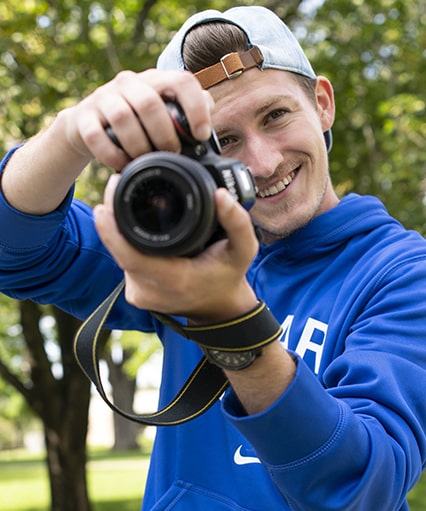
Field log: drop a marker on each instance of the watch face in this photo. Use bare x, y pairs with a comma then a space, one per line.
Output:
231, 360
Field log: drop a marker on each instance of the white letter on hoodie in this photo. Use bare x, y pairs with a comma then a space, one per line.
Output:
306, 342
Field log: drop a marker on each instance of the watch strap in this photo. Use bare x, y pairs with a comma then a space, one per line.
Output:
251, 330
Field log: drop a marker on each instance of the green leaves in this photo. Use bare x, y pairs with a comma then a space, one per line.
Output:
54, 53
373, 52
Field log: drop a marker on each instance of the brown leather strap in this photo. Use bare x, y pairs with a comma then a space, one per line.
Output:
230, 66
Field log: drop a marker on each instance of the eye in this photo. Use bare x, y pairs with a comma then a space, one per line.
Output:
225, 141
276, 114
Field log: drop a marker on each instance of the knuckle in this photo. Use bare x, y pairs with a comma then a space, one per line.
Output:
124, 76
133, 295
185, 79
150, 75
119, 114
90, 137
149, 102
89, 132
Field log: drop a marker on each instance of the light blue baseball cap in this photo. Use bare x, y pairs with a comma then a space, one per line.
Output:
265, 31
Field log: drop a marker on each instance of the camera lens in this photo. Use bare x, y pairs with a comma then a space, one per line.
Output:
157, 205
164, 204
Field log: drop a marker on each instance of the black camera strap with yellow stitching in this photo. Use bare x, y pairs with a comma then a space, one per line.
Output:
206, 383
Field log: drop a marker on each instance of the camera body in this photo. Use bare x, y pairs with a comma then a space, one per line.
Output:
164, 202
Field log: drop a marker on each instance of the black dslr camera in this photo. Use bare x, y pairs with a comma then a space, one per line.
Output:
164, 203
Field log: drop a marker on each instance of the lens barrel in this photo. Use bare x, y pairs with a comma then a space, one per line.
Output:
164, 204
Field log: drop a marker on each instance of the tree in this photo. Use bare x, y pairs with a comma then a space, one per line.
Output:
38, 361
15, 418
127, 353
123, 389
58, 394
36, 80
54, 53
373, 52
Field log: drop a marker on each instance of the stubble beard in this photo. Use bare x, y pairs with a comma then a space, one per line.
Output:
282, 231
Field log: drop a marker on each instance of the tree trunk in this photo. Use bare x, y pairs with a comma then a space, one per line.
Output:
123, 392
62, 404
125, 434
67, 474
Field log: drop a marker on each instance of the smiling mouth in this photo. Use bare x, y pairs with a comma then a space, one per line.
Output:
277, 187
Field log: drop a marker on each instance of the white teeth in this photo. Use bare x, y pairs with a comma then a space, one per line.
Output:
278, 187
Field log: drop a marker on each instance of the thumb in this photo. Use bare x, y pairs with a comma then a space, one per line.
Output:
238, 225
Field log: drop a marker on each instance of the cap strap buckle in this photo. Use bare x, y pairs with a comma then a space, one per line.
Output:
229, 67
228, 60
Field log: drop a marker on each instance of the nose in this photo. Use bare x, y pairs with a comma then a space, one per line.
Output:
262, 156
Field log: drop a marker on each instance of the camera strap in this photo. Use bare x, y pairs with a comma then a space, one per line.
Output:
206, 383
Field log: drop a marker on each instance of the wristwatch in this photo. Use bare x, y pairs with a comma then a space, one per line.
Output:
232, 360
234, 344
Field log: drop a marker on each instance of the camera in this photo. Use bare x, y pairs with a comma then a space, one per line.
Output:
164, 202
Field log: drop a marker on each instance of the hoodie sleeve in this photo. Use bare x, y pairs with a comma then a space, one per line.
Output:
355, 439
59, 259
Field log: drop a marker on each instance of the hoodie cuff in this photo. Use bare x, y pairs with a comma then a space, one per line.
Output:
299, 423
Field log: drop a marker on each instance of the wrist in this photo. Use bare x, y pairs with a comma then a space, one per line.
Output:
222, 314
227, 309
233, 344
64, 130
266, 380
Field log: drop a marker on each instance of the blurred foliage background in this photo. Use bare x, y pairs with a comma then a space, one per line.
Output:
53, 53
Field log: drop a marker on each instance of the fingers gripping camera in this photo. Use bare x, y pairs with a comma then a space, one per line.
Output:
164, 202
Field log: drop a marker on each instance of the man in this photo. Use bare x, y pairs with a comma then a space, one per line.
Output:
332, 415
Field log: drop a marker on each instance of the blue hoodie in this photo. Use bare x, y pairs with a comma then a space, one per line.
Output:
350, 432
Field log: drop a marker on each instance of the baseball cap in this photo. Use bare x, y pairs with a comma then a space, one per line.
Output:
271, 46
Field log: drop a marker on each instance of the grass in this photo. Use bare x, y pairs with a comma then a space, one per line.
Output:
116, 481
417, 497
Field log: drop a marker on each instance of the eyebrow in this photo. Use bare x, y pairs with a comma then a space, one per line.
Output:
272, 101
264, 107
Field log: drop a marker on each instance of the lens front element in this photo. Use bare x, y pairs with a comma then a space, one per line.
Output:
164, 204
157, 206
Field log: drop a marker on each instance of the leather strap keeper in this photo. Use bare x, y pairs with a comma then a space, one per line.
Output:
230, 66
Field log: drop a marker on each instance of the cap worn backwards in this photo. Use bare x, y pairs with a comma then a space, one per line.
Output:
271, 46
264, 29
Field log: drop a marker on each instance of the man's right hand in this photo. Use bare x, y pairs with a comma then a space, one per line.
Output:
39, 175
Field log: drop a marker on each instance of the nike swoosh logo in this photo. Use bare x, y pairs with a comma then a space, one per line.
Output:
239, 459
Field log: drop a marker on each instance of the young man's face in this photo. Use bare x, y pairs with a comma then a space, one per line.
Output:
266, 120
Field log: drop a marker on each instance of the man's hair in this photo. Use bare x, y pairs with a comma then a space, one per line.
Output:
206, 44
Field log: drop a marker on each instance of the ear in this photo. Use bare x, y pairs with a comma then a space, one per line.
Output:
325, 102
